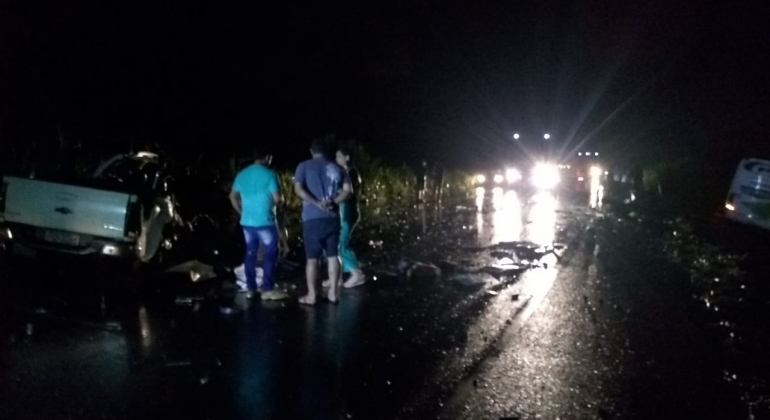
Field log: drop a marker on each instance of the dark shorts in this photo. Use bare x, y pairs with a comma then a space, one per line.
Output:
321, 236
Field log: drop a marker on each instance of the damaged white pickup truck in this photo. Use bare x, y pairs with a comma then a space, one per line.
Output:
125, 210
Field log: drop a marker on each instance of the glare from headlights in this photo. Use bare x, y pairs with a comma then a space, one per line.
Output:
512, 175
480, 192
596, 172
498, 179
545, 176
480, 178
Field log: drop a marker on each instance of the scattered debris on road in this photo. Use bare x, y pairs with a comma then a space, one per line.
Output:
198, 271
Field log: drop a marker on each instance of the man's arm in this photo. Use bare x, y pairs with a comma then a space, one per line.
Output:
279, 211
275, 190
308, 198
235, 200
347, 189
344, 193
355, 181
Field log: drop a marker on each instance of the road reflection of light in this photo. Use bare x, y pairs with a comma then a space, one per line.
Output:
507, 217
542, 217
145, 329
597, 190
536, 283
480, 191
497, 197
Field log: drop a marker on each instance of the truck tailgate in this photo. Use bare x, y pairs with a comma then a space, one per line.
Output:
66, 207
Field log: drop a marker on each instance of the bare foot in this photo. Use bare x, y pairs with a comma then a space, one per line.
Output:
328, 283
356, 279
307, 300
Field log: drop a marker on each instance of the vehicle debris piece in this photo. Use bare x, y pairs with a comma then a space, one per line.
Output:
178, 363
197, 270
227, 310
469, 280
412, 269
187, 300
500, 270
423, 270
501, 254
183, 301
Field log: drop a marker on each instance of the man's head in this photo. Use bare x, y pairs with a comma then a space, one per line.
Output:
343, 156
263, 156
318, 147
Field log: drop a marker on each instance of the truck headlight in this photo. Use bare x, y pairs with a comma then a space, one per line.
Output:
545, 176
512, 175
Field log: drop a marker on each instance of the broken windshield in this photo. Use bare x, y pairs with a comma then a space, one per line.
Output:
133, 173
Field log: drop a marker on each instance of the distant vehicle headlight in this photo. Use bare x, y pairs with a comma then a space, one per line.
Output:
545, 176
595, 171
480, 178
512, 175
498, 179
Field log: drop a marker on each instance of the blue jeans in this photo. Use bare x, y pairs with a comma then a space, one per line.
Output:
268, 237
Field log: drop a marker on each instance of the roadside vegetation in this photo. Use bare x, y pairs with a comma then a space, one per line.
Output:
389, 195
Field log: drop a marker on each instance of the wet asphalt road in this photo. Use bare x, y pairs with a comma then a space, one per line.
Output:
617, 337
603, 333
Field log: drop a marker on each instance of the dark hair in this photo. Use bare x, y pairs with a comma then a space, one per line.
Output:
261, 153
318, 146
346, 150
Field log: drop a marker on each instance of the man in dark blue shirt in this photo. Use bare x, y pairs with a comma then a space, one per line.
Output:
323, 186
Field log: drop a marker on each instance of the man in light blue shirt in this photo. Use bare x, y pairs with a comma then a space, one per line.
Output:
255, 195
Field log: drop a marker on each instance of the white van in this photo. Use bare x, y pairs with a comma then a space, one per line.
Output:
749, 198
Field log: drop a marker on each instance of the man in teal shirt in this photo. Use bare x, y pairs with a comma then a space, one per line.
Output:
255, 195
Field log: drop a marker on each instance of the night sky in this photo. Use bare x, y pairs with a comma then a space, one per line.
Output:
449, 81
